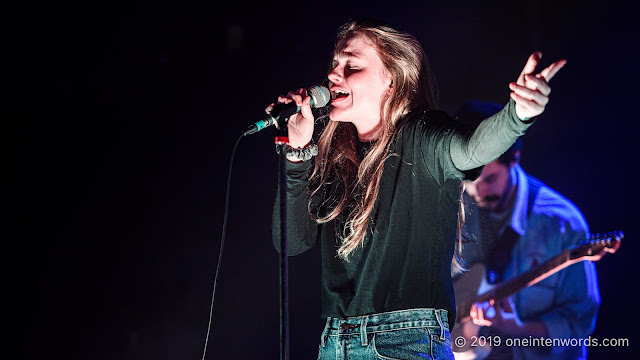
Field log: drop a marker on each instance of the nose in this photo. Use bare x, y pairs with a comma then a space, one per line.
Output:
481, 190
473, 189
335, 75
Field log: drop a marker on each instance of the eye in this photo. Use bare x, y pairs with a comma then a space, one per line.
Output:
351, 67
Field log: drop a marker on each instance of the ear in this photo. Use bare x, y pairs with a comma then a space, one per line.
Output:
390, 88
387, 77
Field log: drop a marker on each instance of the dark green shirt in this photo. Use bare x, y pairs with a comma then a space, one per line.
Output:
405, 260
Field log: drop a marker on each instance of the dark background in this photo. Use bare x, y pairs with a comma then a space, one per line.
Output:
123, 117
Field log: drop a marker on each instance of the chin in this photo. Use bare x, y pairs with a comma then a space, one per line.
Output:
493, 205
337, 116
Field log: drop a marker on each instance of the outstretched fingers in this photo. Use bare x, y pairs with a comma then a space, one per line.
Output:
530, 66
551, 70
531, 91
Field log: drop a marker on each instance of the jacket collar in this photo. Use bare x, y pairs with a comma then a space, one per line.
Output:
519, 217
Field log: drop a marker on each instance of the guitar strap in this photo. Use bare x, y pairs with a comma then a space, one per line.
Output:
497, 262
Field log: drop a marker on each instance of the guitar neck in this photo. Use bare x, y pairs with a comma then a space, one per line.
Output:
593, 250
520, 282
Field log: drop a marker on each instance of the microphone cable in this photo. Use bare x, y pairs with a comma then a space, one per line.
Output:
320, 96
224, 232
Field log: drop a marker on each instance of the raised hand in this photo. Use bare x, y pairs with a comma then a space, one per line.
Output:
531, 92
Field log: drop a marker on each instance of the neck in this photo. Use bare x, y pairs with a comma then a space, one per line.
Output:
367, 132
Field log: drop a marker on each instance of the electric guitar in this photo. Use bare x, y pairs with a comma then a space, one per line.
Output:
472, 287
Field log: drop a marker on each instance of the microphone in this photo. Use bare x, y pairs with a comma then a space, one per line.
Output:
320, 97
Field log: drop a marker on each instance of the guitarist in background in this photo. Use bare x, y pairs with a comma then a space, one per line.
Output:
515, 223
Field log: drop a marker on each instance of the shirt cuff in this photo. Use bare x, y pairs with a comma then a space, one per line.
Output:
557, 328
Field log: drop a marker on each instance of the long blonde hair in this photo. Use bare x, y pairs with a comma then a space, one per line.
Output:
338, 159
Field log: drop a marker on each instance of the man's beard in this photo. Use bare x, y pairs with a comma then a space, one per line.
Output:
492, 202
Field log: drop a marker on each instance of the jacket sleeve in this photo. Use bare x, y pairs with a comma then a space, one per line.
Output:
576, 302
302, 231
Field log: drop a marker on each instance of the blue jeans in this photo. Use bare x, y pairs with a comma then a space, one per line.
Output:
406, 334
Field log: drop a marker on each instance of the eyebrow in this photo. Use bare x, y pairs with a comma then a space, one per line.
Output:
343, 53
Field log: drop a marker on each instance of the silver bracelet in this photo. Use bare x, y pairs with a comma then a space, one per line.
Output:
303, 154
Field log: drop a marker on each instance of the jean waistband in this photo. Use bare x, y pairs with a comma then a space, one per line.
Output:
393, 320
390, 320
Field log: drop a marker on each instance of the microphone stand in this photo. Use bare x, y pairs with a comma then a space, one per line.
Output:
281, 140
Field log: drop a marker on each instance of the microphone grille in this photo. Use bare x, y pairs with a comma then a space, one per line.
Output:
320, 95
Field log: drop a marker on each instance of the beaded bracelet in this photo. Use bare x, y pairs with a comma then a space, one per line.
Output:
304, 153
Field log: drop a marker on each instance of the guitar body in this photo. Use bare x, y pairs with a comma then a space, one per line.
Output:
467, 287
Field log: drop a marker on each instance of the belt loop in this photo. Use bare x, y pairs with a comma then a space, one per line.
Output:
325, 333
438, 317
363, 330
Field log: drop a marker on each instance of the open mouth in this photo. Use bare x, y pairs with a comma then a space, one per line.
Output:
339, 95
